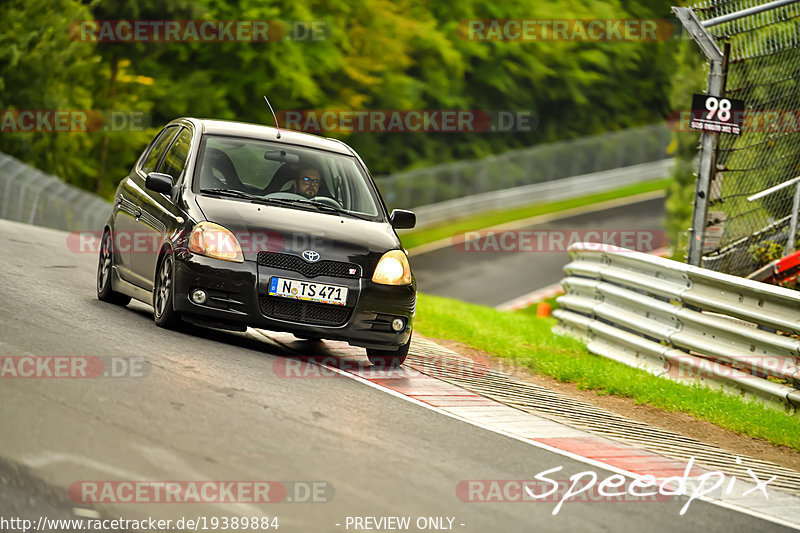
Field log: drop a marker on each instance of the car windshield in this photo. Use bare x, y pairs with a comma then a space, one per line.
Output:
286, 176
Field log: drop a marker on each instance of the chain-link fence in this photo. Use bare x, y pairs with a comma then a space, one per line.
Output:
527, 166
31, 196
764, 71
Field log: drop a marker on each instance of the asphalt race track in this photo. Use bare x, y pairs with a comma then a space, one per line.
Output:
210, 405
485, 276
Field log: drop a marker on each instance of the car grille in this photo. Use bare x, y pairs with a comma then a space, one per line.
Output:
336, 269
305, 312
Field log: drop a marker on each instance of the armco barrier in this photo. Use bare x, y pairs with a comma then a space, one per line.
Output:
545, 192
516, 169
684, 322
31, 196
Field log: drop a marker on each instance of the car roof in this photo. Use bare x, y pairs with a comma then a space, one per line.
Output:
268, 133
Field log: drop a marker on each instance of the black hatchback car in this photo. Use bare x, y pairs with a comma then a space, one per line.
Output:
231, 225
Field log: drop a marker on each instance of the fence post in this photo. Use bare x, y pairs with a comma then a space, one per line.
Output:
708, 141
793, 223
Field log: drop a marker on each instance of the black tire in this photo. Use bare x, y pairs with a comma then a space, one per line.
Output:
163, 310
105, 266
388, 358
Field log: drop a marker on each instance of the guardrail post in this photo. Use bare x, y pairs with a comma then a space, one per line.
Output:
38, 196
35, 177
7, 192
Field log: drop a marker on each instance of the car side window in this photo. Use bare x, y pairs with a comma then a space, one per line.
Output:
158, 149
176, 157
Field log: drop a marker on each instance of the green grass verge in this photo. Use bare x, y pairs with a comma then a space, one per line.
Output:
527, 341
485, 220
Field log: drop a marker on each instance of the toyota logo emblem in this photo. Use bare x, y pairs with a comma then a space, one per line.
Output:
311, 256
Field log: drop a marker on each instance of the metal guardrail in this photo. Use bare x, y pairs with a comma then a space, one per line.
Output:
545, 162
31, 196
549, 191
684, 322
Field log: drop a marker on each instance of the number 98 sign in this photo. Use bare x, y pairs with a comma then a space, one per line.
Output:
718, 115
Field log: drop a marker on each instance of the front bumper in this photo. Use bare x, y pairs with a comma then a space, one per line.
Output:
238, 296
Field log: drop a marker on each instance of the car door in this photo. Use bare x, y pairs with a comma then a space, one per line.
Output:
128, 204
159, 213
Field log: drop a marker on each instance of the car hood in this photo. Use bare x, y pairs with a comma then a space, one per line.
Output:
293, 231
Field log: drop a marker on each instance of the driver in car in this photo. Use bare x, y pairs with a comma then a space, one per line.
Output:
307, 182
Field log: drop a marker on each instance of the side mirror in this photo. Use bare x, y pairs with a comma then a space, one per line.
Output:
158, 182
402, 219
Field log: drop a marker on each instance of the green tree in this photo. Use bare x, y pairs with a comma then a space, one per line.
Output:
377, 54
42, 68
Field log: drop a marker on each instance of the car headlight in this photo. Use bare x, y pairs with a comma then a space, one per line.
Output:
212, 240
393, 269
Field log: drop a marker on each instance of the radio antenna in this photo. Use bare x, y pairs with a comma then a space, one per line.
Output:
275, 118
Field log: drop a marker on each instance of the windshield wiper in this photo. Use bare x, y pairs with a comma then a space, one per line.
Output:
307, 204
283, 201
229, 192
339, 211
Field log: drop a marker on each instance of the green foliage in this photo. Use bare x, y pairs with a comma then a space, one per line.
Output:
42, 68
689, 77
526, 340
377, 54
766, 252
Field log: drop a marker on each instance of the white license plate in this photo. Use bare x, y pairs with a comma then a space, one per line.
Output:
306, 290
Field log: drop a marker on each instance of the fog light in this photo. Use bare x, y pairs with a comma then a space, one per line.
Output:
199, 296
398, 324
